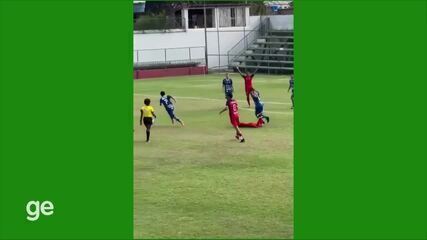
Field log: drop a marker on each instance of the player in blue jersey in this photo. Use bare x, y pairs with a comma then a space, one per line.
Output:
259, 105
291, 87
166, 101
227, 85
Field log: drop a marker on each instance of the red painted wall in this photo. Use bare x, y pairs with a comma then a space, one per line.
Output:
168, 72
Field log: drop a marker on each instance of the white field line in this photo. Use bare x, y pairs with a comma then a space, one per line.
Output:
213, 99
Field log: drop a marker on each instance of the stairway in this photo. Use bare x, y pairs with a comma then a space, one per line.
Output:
271, 53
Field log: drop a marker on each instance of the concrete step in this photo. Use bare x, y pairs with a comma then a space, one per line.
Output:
271, 48
274, 40
268, 61
278, 37
277, 43
281, 32
269, 55
265, 67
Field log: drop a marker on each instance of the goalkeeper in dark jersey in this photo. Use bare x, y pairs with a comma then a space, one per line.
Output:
227, 85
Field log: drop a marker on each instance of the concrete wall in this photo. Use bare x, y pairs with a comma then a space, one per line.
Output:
282, 22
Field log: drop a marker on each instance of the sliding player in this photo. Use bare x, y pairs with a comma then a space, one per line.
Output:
169, 107
259, 105
227, 85
233, 111
248, 77
147, 114
291, 87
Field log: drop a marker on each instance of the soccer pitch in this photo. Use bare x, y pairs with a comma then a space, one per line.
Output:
198, 181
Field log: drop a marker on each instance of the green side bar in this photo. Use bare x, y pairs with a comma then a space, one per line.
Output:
66, 118
360, 119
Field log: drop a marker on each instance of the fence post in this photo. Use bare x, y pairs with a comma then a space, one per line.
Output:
244, 37
189, 53
228, 58
137, 56
165, 58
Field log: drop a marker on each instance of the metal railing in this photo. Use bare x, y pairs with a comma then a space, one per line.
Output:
252, 36
146, 24
165, 56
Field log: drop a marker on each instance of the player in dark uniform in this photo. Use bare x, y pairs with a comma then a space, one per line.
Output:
248, 77
291, 87
259, 105
227, 85
166, 101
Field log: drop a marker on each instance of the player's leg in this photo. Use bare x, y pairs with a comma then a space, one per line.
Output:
259, 113
267, 118
292, 99
260, 122
258, 110
248, 97
148, 122
235, 122
148, 132
179, 120
239, 135
172, 116
249, 125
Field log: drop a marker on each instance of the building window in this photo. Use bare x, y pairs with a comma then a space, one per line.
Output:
232, 17
196, 18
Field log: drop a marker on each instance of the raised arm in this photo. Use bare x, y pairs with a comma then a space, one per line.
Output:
256, 70
238, 69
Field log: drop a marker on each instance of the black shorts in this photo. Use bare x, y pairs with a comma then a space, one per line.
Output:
148, 121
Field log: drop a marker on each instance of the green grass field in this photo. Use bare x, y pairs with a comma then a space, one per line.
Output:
197, 181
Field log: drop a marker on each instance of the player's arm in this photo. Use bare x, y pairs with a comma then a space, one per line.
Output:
238, 69
161, 102
256, 70
223, 110
140, 119
173, 99
152, 112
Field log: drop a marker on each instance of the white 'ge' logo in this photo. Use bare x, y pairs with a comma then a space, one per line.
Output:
34, 208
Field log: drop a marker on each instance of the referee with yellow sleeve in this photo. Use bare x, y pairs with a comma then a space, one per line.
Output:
147, 114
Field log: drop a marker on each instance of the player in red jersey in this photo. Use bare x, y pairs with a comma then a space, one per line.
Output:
233, 111
248, 77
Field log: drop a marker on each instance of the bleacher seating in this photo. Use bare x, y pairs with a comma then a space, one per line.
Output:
271, 53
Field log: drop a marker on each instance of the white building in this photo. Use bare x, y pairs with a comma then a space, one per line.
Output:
227, 25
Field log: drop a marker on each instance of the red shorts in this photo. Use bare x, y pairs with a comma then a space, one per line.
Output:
248, 90
234, 121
